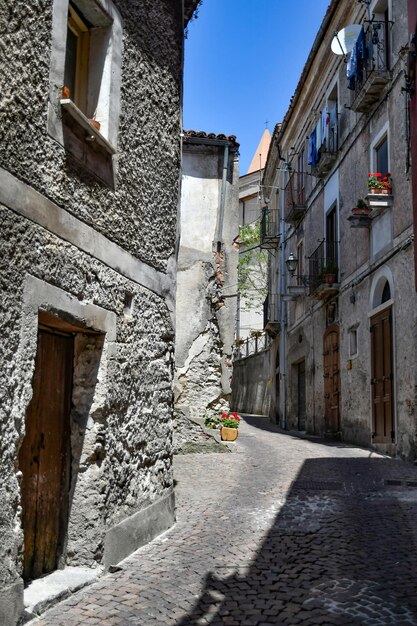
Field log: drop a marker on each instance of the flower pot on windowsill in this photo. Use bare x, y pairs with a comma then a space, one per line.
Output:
366, 211
383, 191
95, 124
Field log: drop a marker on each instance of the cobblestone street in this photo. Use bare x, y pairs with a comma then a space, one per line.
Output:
284, 531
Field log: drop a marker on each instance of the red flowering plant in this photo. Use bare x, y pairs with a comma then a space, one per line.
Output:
377, 181
230, 420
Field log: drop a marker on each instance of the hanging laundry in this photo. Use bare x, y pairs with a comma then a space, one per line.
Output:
324, 122
333, 116
312, 155
355, 64
319, 138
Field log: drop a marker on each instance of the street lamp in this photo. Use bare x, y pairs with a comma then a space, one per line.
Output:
303, 280
292, 264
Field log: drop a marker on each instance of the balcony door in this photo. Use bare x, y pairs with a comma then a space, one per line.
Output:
331, 236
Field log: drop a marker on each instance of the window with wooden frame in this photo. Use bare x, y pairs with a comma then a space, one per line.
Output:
85, 83
76, 58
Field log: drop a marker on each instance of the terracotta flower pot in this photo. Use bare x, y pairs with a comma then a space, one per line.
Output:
95, 123
385, 191
361, 211
228, 434
329, 279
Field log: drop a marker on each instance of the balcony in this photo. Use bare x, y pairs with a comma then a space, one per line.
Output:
272, 315
250, 346
323, 271
372, 73
327, 153
294, 199
269, 228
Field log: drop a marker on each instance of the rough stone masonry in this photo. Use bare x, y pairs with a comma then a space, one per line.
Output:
88, 236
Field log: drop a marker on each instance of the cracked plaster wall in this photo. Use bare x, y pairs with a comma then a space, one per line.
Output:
205, 315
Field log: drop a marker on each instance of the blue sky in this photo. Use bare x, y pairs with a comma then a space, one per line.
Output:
243, 59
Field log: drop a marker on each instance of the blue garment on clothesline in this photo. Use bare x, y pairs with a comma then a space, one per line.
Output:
312, 155
354, 70
324, 123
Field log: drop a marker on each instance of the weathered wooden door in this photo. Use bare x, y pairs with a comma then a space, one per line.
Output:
44, 455
331, 373
301, 375
382, 377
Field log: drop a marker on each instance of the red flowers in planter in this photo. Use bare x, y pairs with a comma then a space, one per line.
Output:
230, 420
377, 181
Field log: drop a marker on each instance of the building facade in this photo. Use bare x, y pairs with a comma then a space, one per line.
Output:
89, 188
343, 278
253, 265
206, 278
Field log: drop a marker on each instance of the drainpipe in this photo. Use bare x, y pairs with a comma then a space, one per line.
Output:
238, 315
222, 197
283, 334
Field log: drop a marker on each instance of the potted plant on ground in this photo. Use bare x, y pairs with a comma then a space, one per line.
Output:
379, 184
361, 208
229, 426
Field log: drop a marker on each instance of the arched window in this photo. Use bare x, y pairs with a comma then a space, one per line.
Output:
382, 289
386, 293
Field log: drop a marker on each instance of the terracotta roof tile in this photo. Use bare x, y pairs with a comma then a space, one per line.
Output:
188, 134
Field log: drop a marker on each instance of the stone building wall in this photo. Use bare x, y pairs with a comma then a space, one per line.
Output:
251, 385
101, 259
376, 254
138, 215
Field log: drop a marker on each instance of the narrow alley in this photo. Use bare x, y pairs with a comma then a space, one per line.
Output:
284, 531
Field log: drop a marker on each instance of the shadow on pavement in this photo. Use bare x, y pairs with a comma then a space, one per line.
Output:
341, 550
263, 423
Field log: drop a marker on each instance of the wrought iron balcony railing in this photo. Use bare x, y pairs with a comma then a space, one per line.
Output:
323, 267
327, 153
294, 199
245, 348
272, 315
372, 73
270, 228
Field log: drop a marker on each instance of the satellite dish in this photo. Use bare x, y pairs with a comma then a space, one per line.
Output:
344, 41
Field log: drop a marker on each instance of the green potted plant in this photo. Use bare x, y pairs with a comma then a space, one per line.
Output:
229, 426
361, 208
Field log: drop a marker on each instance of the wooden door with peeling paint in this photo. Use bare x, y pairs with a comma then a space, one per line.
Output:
44, 455
331, 373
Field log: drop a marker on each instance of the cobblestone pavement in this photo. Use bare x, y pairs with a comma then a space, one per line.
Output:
285, 531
